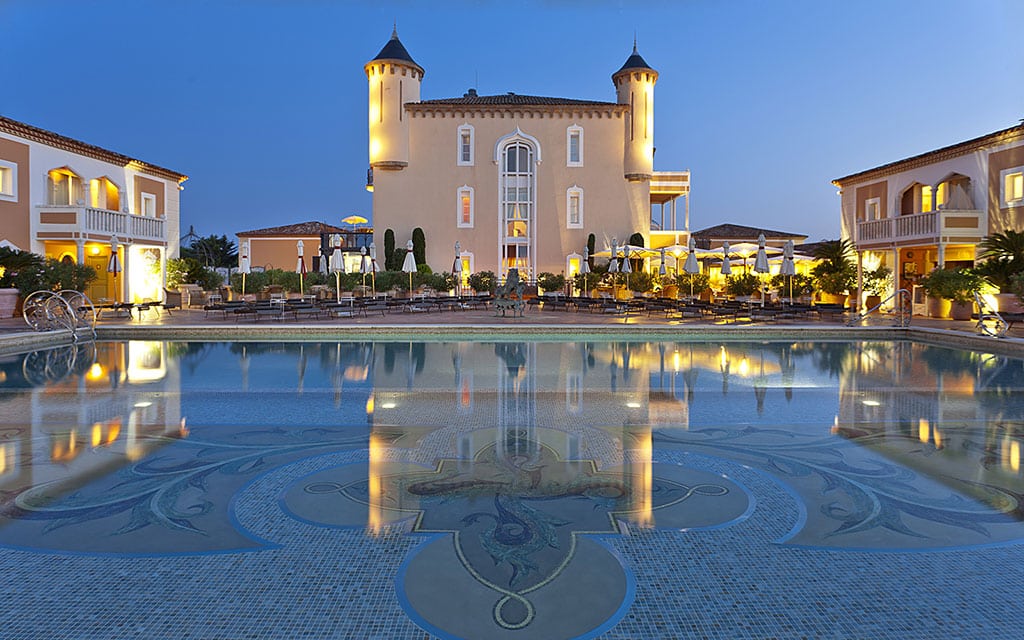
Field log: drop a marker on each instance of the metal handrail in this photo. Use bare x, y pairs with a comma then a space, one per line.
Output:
901, 309
999, 326
69, 310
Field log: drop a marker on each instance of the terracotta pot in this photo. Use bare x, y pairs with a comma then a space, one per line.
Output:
961, 311
1009, 302
8, 302
938, 307
872, 301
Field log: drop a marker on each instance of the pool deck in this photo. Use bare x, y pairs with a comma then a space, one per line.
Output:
196, 324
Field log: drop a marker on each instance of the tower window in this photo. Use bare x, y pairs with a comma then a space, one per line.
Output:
464, 214
574, 146
465, 146
574, 208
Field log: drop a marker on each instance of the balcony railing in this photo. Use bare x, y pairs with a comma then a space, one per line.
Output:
945, 225
126, 226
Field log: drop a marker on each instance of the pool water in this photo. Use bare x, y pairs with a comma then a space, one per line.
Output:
511, 490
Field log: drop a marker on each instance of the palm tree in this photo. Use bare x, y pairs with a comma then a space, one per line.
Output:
1003, 253
836, 271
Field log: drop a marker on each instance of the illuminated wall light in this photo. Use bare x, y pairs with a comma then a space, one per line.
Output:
923, 430
95, 372
94, 250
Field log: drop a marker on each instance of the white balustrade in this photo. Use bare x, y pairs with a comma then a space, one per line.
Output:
128, 227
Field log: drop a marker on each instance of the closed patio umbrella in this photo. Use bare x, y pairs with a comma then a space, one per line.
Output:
585, 267
337, 264
243, 264
613, 263
761, 262
661, 265
457, 268
364, 265
691, 266
626, 268
409, 265
726, 265
114, 265
788, 267
373, 267
300, 267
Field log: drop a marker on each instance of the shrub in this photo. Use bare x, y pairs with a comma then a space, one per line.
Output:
551, 282
802, 284
701, 282
189, 270
878, 281
958, 285
483, 281
835, 272
744, 284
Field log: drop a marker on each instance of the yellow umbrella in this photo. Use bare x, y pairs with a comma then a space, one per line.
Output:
354, 220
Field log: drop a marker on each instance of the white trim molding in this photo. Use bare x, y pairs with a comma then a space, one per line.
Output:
461, 195
574, 199
1016, 176
8, 181
516, 135
571, 132
461, 159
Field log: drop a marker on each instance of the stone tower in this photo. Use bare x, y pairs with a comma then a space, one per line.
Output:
394, 79
634, 85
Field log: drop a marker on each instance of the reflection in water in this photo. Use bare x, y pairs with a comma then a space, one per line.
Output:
951, 417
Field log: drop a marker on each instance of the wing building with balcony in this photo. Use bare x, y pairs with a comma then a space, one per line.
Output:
933, 209
77, 202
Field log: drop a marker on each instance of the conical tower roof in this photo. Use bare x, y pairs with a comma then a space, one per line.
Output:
635, 61
394, 50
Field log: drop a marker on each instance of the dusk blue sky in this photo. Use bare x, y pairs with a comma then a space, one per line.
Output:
263, 104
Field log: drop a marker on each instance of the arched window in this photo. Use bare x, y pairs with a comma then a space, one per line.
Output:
518, 202
464, 207
104, 194
574, 207
465, 146
64, 187
574, 146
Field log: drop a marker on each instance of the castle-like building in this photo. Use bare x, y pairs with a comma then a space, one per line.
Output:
518, 181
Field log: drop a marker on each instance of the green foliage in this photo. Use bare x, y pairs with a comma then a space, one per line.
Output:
836, 272
958, 285
212, 251
419, 246
14, 261
389, 251
877, 282
483, 281
1004, 258
388, 280
637, 239
551, 282
743, 284
701, 283
591, 243
189, 270
1017, 285
54, 275
803, 285
440, 281
640, 281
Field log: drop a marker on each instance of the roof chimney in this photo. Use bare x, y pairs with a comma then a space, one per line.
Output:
470, 94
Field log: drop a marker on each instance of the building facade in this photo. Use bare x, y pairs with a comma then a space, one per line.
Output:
277, 247
933, 209
518, 181
74, 201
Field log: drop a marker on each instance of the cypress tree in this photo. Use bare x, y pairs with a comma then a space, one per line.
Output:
389, 250
419, 246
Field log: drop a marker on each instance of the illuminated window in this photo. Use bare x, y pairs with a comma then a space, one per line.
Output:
104, 194
574, 146
926, 198
465, 142
8, 181
517, 155
1012, 187
465, 207
574, 208
64, 187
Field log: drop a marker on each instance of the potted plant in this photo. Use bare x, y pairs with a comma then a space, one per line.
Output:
800, 285
1003, 255
877, 282
742, 285
699, 283
835, 273
550, 282
957, 286
13, 262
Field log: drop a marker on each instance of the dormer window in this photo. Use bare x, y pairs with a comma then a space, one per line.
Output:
64, 187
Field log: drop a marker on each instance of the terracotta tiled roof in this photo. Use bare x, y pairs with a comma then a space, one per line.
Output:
300, 229
740, 231
506, 99
65, 143
1002, 136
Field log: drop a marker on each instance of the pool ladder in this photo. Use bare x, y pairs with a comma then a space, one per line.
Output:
989, 320
60, 310
901, 309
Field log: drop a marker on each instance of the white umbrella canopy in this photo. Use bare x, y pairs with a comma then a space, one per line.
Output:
626, 268
613, 264
364, 262
788, 267
726, 264
761, 257
409, 265
300, 267
114, 264
661, 265
457, 268
374, 267
337, 264
244, 267
691, 265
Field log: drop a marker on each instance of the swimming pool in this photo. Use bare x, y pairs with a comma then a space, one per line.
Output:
511, 489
